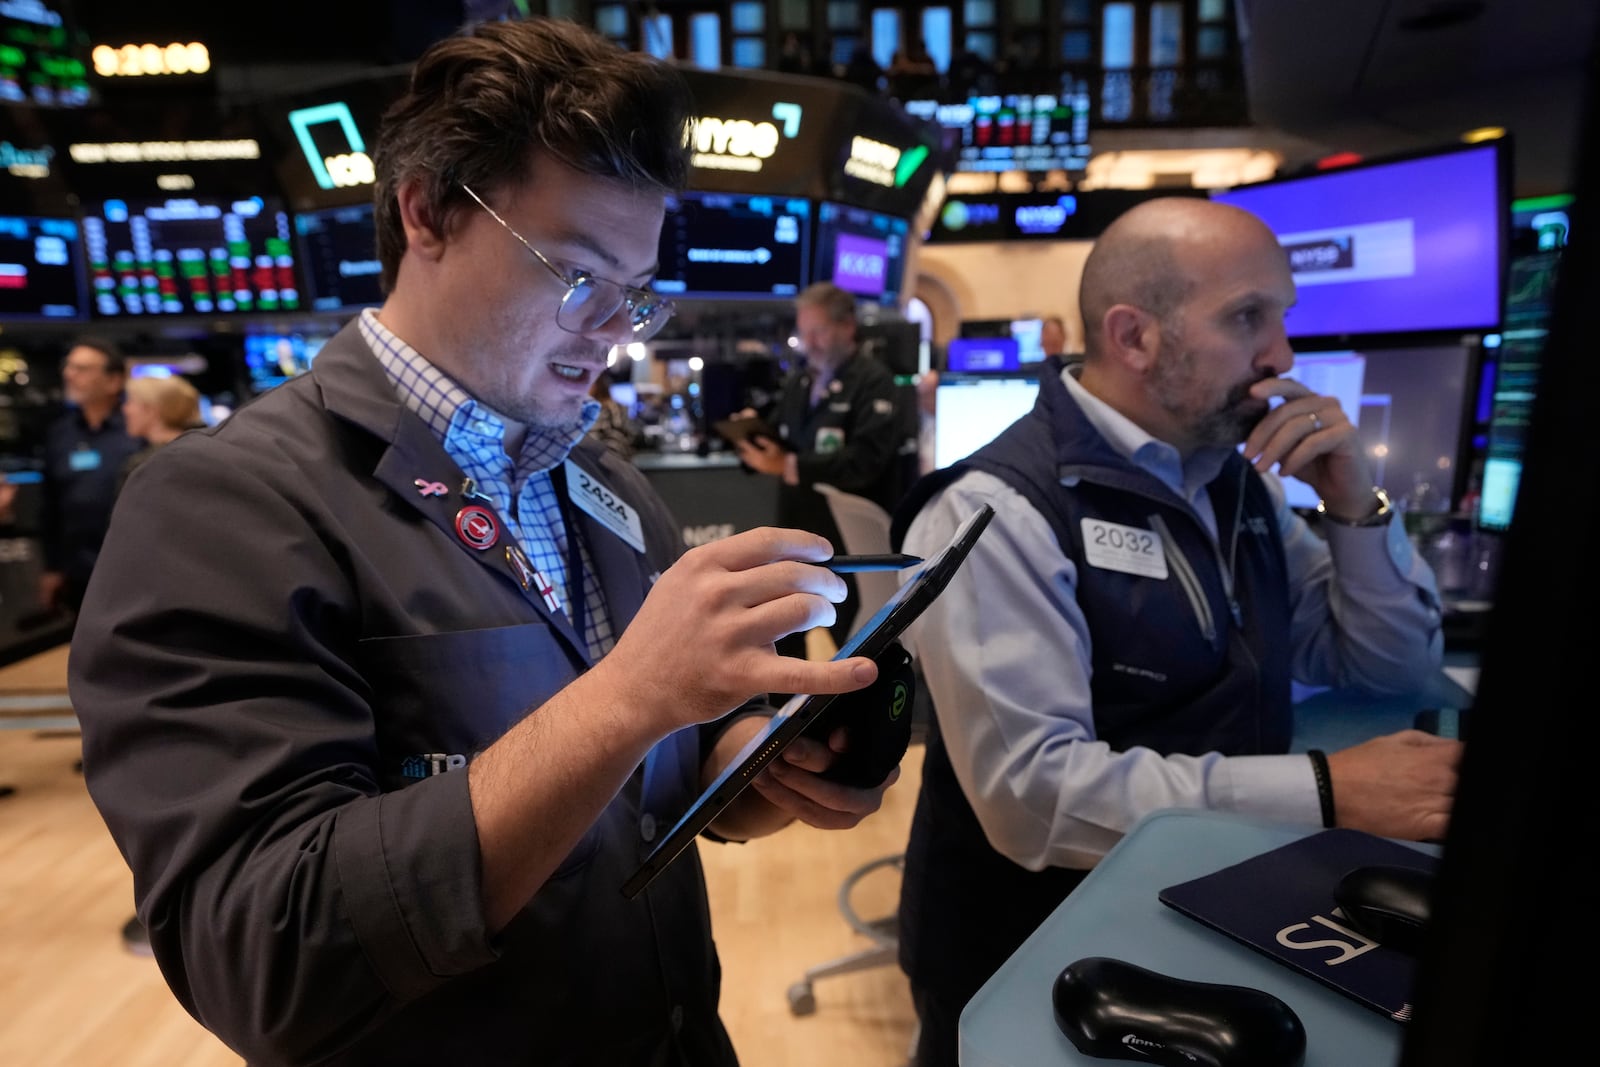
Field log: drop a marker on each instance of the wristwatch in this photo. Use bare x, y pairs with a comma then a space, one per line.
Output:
1378, 518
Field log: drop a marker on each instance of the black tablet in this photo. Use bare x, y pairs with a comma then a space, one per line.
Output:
909, 601
736, 430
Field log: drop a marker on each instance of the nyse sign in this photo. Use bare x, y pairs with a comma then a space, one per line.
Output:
740, 144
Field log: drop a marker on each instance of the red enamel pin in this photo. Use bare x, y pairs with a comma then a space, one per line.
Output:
477, 527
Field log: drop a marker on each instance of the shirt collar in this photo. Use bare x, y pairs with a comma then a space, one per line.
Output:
455, 417
1134, 443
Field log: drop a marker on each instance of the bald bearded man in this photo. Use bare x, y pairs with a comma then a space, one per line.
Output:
1079, 686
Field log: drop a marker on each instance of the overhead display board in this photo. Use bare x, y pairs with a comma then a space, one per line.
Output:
1037, 216
787, 135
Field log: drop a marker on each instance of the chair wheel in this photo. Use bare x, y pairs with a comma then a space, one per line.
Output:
801, 1000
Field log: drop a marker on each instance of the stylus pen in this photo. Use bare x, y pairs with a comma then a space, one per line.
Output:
893, 561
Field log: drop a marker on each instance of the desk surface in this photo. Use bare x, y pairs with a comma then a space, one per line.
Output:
1115, 912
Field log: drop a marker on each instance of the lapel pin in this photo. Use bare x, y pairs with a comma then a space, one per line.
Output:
427, 488
476, 526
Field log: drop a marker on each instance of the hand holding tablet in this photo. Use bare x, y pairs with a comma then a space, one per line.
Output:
874, 639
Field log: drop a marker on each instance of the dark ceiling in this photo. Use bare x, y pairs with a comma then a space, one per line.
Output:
1380, 76
1370, 76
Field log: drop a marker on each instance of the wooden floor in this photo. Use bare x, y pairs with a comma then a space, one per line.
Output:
71, 995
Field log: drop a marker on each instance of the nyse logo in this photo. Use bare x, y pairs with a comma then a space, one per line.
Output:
1314, 256
1342, 948
740, 144
340, 169
704, 535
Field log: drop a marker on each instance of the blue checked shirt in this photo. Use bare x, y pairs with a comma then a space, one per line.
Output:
522, 491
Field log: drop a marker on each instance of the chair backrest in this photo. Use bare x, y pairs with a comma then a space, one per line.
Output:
864, 526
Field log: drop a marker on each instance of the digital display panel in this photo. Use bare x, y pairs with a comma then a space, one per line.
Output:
1404, 246
195, 255
41, 269
971, 412
861, 251
339, 257
1539, 231
734, 246
42, 56
273, 358
981, 355
1017, 131
1409, 406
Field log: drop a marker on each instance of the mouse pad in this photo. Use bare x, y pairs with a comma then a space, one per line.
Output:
1281, 903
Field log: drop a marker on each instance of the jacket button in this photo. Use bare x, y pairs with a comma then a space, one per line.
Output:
647, 827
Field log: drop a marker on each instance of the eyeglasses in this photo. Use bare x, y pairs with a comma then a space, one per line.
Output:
591, 301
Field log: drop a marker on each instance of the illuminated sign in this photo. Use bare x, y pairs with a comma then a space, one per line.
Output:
739, 144
164, 151
959, 214
342, 169
26, 162
1039, 219
149, 60
883, 164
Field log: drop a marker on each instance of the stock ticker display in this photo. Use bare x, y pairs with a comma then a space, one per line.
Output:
41, 269
190, 256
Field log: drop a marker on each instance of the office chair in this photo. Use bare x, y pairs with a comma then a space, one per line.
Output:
864, 528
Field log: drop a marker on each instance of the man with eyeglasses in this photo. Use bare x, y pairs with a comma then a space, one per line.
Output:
84, 449
385, 693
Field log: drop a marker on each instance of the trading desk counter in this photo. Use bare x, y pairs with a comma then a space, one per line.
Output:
1116, 911
713, 495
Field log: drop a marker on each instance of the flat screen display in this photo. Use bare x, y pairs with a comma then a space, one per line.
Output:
734, 246
861, 251
273, 358
1409, 406
41, 269
1538, 241
43, 56
971, 412
192, 255
339, 255
1406, 246
982, 355
1014, 131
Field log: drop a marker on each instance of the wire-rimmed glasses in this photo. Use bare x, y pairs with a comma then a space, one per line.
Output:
591, 300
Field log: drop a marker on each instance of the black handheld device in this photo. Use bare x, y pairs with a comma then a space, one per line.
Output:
802, 710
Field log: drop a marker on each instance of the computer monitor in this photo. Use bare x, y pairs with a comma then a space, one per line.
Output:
1410, 407
1014, 131
273, 358
861, 251
969, 412
1028, 333
41, 270
1539, 232
1407, 245
338, 249
982, 355
189, 255
734, 246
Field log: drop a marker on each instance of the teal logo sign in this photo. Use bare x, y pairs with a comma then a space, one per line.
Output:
341, 169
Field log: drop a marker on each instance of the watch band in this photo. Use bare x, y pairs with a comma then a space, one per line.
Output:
1379, 518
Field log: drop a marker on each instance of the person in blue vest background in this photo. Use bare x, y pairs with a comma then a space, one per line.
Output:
1124, 636
85, 448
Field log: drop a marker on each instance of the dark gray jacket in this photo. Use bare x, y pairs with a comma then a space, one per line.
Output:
286, 657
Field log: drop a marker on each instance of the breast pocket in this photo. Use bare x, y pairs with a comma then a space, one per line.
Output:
452, 694
440, 699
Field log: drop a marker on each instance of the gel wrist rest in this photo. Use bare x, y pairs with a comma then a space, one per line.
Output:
877, 721
1114, 1010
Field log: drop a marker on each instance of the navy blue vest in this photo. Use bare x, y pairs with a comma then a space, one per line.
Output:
1180, 665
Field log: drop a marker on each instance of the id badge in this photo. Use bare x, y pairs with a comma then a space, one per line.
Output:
85, 459
1129, 549
602, 505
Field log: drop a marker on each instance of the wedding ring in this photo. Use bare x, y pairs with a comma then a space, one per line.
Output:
1316, 420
